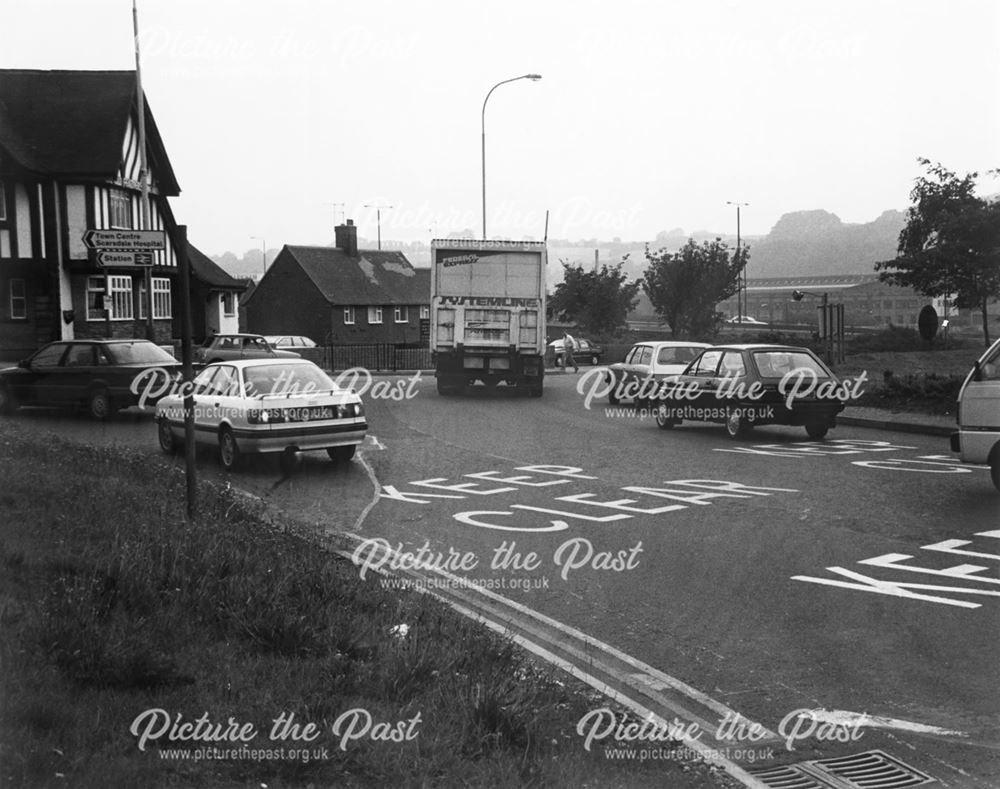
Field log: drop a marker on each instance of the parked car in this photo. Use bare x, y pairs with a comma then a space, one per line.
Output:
745, 320
230, 347
647, 363
977, 439
585, 351
289, 341
96, 374
266, 405
745, 386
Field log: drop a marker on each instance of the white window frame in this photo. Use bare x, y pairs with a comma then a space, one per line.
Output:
95, 288
162, 299
425, 311
401, 315
18, 313
228, 303
374, 315
348, 316
120, 290
3, 203
119, 201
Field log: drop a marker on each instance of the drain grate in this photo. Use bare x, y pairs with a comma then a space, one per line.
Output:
868, 770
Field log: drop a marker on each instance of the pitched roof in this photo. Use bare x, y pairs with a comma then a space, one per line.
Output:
373, 277
209, 272
74, 122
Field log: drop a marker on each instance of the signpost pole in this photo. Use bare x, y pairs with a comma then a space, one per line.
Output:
186, 332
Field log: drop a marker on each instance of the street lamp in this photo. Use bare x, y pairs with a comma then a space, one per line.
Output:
263, 251
378, 219
533, 78
742, 273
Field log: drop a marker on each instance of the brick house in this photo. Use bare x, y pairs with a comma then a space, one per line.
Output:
342, 295
69, 162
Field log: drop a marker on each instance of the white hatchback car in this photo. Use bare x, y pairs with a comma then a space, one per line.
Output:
650, 361
265, 405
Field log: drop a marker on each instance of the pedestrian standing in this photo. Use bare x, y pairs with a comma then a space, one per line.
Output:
569, 345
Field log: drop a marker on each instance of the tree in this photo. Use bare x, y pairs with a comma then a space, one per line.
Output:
685, 286
950, 245
597, 301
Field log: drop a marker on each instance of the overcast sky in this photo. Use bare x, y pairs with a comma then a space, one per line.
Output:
280, 118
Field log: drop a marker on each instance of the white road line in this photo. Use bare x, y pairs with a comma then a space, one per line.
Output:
376, 494
850, 719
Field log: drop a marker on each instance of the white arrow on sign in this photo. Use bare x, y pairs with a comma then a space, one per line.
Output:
106, 257
125, 240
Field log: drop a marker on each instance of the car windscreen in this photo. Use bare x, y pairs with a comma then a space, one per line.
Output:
286, 379
776, 364
143, 352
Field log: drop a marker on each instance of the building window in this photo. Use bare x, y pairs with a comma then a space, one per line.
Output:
161, 298
120, 291
401, 315
162, 303
120, 208
425, 312
18, 300
95, 298
374, 314
349, 315
228, 304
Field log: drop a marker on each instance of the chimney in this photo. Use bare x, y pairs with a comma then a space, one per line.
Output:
346, 237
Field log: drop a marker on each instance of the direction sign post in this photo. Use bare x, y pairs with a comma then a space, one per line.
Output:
108, 258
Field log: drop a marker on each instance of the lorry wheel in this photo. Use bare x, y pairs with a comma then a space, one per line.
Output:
817, 430
447, 386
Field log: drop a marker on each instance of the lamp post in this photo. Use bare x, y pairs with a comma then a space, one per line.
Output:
533, 78
378, 219
263, 251
741, 289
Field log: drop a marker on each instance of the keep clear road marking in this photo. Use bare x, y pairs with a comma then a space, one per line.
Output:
894, 561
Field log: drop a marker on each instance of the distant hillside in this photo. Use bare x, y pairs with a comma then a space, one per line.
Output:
817, 243
802, 243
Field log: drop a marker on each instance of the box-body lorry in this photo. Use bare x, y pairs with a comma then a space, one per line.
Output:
488, 314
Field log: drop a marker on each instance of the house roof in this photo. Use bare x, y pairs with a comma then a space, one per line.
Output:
206, 270
373, 277
73, 123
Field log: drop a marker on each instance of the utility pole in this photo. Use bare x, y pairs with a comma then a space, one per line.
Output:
378, 219
144, 223
741, 276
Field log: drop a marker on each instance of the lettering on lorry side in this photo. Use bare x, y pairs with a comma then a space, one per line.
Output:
488, 301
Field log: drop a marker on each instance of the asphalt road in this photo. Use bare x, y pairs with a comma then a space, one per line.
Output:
856, 575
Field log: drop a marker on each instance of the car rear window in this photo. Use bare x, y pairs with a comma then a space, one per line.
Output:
139, 352
680, 354
279, 379
775, 364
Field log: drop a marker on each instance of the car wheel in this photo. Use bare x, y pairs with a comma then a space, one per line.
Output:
8, 405
341, 454
99, 405
559, 361
229, 452
594, 360
663, 421
168, 442
817, 430
736, 425
995, 468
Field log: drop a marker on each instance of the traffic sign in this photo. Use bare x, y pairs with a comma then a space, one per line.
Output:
106, 257
125, 240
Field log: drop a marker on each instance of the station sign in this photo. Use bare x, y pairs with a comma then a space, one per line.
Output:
125, 240
108, 258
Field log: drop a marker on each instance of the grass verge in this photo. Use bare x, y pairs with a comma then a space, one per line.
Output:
119, 618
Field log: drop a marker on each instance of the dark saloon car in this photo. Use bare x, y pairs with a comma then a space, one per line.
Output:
745, 386
95, 374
